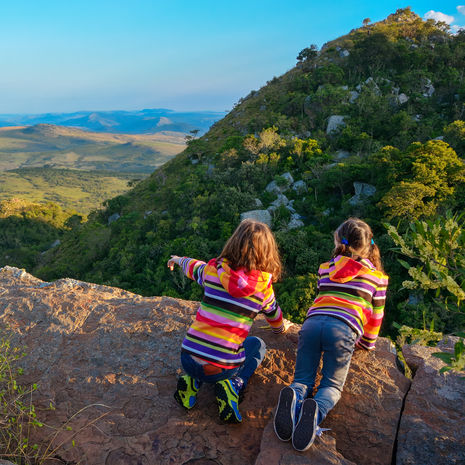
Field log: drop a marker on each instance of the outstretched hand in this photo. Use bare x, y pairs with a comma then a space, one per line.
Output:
286, 324
174, 260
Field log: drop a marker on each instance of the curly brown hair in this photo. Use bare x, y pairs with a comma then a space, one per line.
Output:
354, 238
252, 246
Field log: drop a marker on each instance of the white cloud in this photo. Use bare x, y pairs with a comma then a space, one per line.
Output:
455, 28
461, 9
438, 16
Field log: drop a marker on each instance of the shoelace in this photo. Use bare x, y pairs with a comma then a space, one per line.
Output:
319, 431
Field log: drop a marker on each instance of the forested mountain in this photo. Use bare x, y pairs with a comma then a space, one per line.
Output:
372, 125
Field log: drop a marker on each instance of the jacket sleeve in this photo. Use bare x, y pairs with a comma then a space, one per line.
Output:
373, 325
272, 311
193, 269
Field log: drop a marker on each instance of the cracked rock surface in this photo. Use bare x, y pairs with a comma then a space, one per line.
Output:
113, 356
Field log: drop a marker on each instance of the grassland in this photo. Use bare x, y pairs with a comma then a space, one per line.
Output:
77, 169
71, 189
71, 148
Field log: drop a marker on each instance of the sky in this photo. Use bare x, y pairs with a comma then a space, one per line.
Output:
72, 55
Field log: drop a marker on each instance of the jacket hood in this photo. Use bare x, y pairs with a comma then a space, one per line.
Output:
240, 282
344, 269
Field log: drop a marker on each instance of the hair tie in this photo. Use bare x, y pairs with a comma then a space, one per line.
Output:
344, 241
372, 241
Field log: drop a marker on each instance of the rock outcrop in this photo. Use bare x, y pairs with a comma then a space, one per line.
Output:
432, 426
259, 215
105, 352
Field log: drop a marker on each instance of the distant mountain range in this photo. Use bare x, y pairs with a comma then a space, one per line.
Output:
146, 121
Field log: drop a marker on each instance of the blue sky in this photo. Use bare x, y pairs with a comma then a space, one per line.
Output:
60, 56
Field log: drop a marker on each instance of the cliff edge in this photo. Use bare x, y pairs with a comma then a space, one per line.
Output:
108, 351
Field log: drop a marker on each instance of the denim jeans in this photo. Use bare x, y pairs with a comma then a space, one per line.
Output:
255, 349
336, 340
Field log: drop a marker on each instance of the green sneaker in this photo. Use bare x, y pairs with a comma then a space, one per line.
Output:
228, 401
186, 392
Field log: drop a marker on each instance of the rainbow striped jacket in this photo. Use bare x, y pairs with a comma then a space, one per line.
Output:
231, 301
353, 291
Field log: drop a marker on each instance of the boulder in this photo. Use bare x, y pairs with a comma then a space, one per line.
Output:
432, 427
323, 452
300, 187
353, 95
344, 53
295, 221
362, 191
428, 88
258, 203
341, 155
282, 200
335, 123
108, 353
273, 188
276, 188
288, 177
402, 98
113, 218
374, 384
259, 215
371, 84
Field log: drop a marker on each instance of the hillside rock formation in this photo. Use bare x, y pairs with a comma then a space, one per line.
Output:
111, 352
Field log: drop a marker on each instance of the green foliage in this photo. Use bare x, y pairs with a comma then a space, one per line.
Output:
308, 54
455, 361
191, 204
17, 412
438, 246
296, 295
424, 337
454, 134
433, 171
28, 229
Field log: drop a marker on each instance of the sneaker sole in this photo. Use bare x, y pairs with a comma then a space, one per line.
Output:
305, 430
284, 418
183, 387
226, 403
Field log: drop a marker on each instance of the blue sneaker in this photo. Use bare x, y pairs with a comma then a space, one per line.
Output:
284, 418
307, 426
186, 392
227, 397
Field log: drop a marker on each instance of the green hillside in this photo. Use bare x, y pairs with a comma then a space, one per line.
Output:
28, 229
372, 125
71, 189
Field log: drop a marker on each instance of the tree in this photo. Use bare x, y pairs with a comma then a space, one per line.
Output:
433, 171
366, 22
455, 135
308, 54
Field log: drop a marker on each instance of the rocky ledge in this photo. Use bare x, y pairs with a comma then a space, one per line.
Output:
98, 350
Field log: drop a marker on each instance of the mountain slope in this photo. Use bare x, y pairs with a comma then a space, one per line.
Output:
62, 147
354, 126
148, 121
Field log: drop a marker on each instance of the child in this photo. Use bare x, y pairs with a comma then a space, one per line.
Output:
347, 311
237, 286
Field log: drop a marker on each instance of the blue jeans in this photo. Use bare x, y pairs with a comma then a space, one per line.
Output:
336, 340
255, 350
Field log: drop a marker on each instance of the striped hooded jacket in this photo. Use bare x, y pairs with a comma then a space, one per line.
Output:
231, 301
353, 291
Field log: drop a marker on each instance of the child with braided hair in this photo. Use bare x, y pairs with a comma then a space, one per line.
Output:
347, 312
